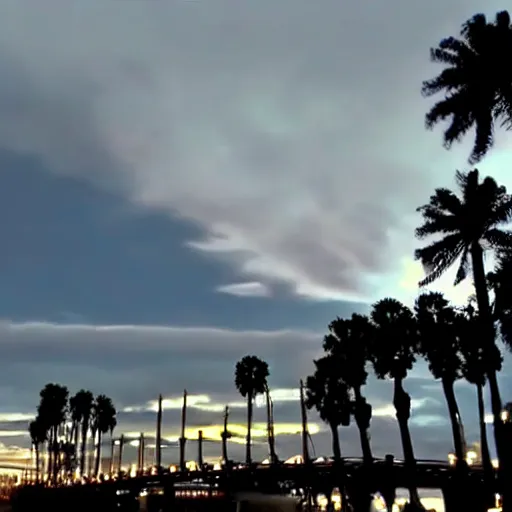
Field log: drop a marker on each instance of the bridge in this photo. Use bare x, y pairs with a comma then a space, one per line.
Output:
358, 480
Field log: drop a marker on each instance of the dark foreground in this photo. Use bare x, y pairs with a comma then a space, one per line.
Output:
222, 490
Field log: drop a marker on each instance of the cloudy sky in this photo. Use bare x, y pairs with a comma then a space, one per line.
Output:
186, 182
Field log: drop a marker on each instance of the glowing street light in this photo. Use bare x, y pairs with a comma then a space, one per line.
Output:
471, 457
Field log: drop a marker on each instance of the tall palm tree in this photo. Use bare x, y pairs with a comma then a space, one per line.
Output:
105, 421
251, 380
474, 361
52, 411
38, 436
469, 225
438, 329
393, 354
83, 402
476, 82
348, 342
328, 393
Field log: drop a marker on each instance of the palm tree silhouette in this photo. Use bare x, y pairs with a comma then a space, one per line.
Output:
52, 411
251, 380
439, 332
104, 414
348, 341
393, 354
474, 360
469, 225
83, 402
328, 393
476, 82
38, 436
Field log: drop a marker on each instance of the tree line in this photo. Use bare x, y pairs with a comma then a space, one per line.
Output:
66, 427
456, 342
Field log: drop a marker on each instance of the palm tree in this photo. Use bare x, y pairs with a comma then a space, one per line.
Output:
105, 421
250, 379
476, 82
52, 411
439, 343
473, 370
348, 341
83, 402
38, 436
328, 393
469, 225
392, 354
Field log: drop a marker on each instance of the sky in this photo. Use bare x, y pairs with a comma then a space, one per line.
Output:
183, 183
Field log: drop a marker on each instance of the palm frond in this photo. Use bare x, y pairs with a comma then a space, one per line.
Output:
498, 238
464, 267
484, 138
443, 109
437, 257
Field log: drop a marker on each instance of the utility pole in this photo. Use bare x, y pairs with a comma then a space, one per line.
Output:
270, 427
183, 439
225, 436
112, 448
305, 451
140, 463
200, 449
121, 445
158, 447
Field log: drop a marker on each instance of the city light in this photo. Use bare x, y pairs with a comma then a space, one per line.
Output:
471, 457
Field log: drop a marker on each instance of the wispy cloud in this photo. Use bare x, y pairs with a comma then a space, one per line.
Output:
252, 289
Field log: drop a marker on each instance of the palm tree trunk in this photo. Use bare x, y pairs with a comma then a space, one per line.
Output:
36, 447
484, 445
83, 446
402, 403
98, 455
484, 311
457, 429
75, 441
55, 453
363, 424
336, 449
248, 458
49, 453
111, 465
91, 454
